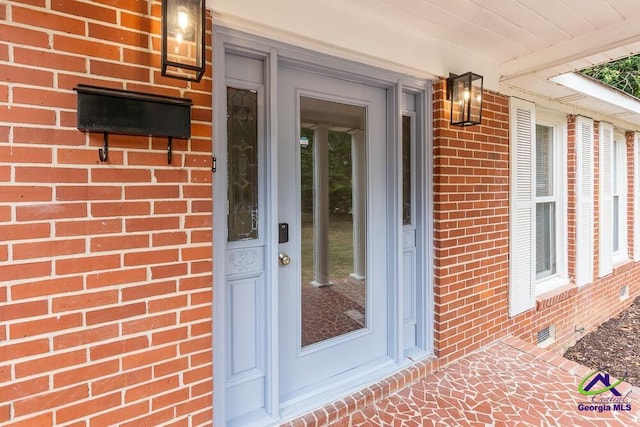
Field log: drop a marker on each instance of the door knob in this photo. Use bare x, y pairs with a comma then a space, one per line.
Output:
284, 258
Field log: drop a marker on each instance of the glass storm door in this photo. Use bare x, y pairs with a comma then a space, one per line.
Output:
332, 228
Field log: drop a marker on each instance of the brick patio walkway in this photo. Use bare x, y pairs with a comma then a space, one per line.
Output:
508, 383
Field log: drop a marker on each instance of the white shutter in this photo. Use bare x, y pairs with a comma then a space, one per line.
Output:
522, 274
605, 251
584, 200
636, 197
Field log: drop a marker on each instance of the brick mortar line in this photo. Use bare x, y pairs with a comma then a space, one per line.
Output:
117, 322
117, 357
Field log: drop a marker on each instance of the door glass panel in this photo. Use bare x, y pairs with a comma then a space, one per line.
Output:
406, 170
333, 211
242, 152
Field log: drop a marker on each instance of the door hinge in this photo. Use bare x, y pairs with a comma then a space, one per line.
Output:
214, 164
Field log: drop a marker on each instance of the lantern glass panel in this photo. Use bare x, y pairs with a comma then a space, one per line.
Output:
183, 39
466, 99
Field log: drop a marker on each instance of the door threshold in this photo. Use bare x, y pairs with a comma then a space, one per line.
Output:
335, 387
257, 418
350, 392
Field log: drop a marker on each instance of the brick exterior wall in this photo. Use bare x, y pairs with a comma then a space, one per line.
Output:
105, 268
471, 228
586, 307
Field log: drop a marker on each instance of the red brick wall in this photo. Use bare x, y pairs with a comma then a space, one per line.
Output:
588, 306
105, 269
471, 229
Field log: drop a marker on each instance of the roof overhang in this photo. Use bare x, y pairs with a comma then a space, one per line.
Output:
529, 48
593, 88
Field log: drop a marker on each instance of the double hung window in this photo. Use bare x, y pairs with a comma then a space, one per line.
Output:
613, 199
619, 196
546, 194
550, 211
537, 238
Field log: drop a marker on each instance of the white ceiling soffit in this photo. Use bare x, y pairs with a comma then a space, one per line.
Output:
591, 48
514, 44
377, 32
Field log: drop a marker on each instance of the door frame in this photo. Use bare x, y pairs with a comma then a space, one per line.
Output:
275, 53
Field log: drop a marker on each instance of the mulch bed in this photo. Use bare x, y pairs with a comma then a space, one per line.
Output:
614, 347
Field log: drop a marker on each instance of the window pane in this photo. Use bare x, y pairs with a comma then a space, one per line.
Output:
406, 170
242, 152
544, 161
545, 239
616, 224
616, 172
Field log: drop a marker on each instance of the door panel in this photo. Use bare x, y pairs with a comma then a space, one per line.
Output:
245, 265
332, 196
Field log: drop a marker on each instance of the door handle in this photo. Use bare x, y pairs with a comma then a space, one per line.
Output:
284, 258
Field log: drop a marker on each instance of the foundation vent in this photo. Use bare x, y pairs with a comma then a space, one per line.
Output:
624, 292
546, 336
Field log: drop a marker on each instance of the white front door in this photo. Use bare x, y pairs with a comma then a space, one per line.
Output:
330, 172
332, 222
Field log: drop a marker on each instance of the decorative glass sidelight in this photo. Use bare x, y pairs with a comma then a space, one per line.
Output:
406, 170
333, 215
242, 152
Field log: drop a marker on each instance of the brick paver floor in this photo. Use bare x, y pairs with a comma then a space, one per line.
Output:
507, 383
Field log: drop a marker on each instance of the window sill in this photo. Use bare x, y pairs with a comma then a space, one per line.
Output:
556, 295
621, 261
550, 284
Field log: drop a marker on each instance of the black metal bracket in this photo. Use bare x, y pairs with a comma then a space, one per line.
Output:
103, 153
125, 112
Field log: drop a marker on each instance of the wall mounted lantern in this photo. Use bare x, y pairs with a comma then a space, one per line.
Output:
183, 42
465, 93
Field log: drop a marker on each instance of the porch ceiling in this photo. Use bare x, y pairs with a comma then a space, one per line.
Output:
517, 44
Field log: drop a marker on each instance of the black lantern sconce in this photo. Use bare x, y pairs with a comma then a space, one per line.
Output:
183, 42
465, 93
